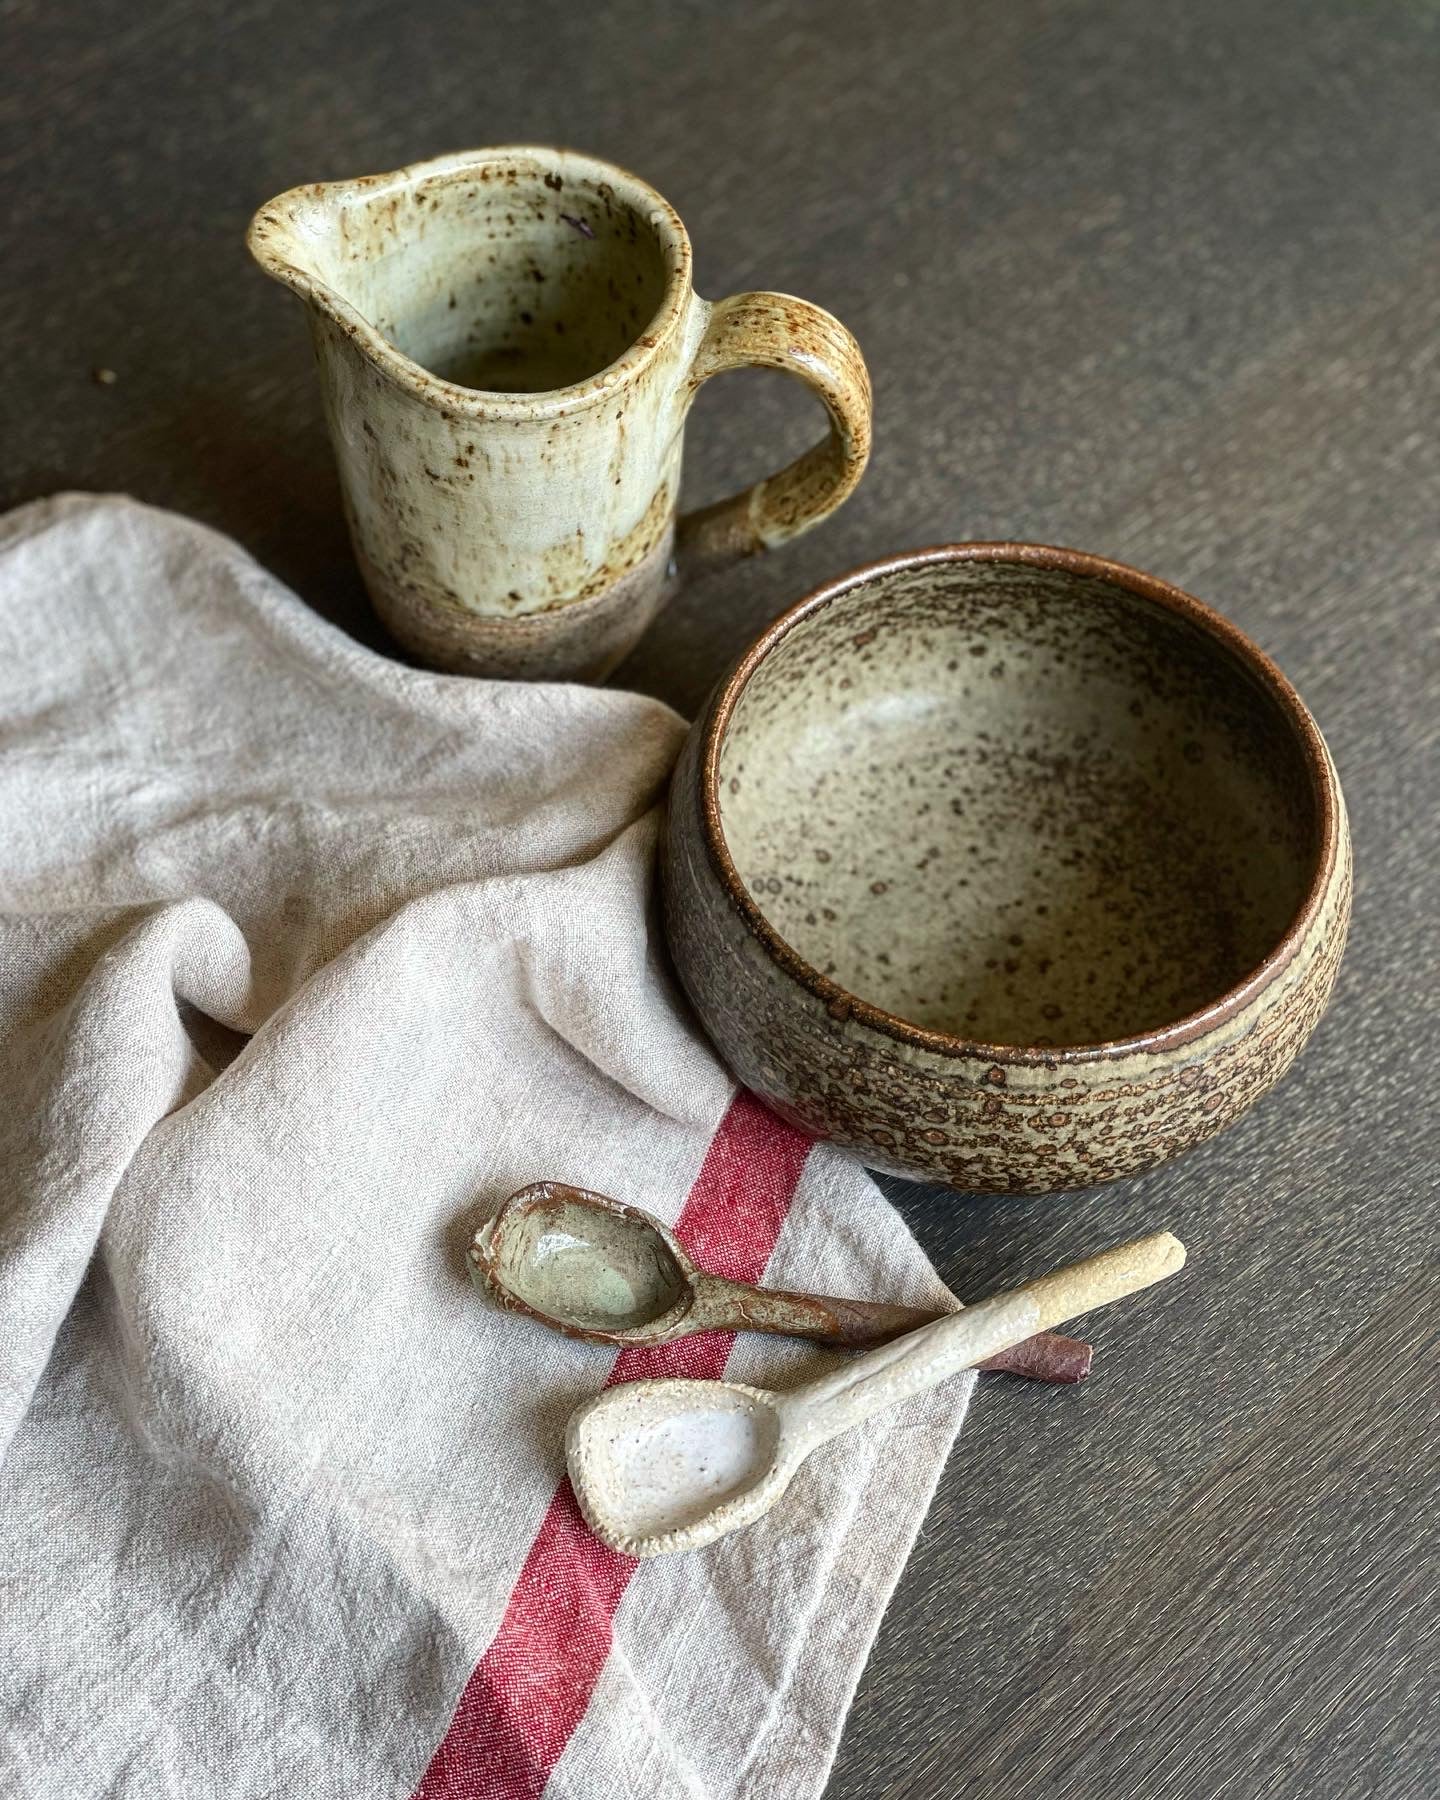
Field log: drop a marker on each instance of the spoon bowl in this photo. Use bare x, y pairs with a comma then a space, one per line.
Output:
587, 1265
662, 1460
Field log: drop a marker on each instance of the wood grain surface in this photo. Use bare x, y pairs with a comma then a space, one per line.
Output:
1152, 279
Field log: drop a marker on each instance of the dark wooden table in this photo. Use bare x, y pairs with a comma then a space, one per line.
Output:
1155, 279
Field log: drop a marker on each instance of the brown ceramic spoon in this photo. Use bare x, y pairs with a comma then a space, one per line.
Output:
613, 1274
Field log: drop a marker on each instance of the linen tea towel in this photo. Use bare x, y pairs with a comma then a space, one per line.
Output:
310, 959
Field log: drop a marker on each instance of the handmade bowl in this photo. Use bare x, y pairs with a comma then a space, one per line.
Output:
1007, 867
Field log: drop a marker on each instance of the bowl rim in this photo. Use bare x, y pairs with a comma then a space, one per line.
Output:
839, 1001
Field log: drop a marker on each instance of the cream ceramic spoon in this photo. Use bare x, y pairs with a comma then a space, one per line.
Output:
671, 1465
612, 1274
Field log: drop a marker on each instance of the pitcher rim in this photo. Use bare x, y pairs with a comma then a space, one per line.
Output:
275, 226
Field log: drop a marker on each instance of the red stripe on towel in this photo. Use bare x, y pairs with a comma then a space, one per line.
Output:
530, 1689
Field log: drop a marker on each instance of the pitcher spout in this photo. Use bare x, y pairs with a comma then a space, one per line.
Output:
290, 236
319, 239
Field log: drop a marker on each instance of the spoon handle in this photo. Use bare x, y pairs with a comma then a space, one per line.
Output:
722, 1305
932, 1354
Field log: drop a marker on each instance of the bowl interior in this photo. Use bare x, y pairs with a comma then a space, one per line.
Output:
1017, 804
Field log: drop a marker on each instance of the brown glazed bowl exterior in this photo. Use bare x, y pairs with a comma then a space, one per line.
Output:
1006, 867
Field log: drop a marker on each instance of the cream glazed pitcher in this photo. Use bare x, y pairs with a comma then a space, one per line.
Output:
508, 344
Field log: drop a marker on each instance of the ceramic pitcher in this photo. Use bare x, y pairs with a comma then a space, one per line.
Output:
508, 345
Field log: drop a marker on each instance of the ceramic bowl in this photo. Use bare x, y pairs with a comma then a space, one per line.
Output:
1007, 867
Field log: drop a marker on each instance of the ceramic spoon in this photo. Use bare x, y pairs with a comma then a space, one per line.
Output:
612, 1274
671, 1465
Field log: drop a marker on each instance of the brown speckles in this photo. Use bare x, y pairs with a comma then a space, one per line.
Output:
1157, 900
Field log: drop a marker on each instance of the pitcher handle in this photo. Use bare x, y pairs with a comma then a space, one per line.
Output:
777, 331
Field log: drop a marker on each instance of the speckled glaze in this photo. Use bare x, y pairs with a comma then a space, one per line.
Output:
668, 1465
508, 345
1008, 867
